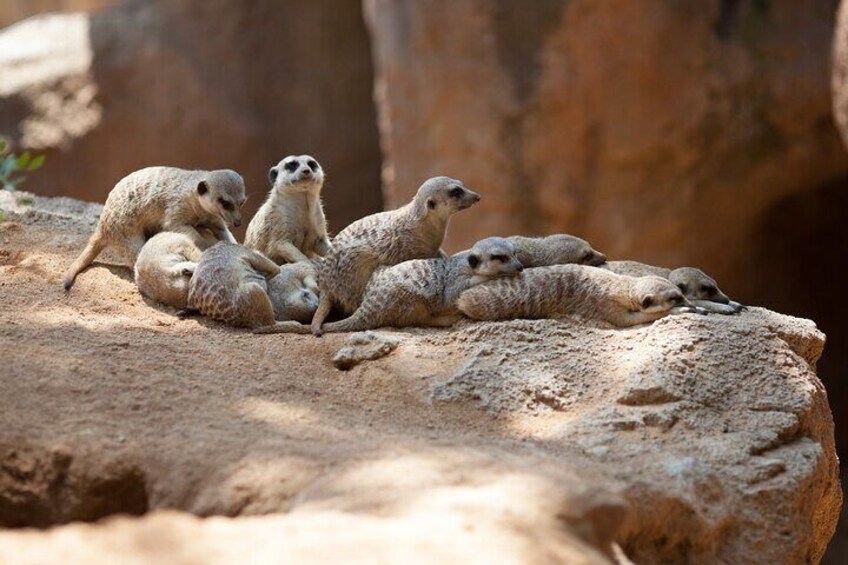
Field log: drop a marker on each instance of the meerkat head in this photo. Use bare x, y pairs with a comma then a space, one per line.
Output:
443, 196
571, 249
655, 294
695, 284
221, 193
291, 298
298, 173
494, 257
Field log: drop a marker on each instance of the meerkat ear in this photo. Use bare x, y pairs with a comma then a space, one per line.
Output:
431, 204
187, 273
202, 188
473, 261
272, 174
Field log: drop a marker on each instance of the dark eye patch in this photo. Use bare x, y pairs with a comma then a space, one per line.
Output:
647, 302
456, 192
226, 204
312, 165
501, 258
291, 166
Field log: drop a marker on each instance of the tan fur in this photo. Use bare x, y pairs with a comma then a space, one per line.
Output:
164, 268
558, 249
230, 284
294, 292
422, 292
158, 199
574, 290
414, 231
290, 225
698, 287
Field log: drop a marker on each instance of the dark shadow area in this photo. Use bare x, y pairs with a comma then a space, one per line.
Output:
802, 255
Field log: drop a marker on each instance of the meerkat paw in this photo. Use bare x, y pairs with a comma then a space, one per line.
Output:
737, 306
688, 310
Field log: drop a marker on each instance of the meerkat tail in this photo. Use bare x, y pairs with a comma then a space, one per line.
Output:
287, 327
86, 258
325, 304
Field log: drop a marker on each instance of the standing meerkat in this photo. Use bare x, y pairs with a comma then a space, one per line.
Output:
230, 285
562, 291
157, 199
413, 231
422, 292
557, 249
698, 287
290, 225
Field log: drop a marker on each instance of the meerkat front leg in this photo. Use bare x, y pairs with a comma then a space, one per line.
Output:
716, 307
321, 248
263, 265
286, 251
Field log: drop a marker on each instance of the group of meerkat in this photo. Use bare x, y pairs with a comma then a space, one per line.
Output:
387, 269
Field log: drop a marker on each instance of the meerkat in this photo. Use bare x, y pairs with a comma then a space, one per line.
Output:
413, 231
558, 249
561, 291
294, 292
290, 226
698, 287
230, 285
164, 268
157, 199
422, 292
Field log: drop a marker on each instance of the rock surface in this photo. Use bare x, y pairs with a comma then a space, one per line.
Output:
197, 84
694, 439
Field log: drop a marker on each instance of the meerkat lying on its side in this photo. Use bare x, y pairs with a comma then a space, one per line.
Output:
157, 199
294, 293
230, 285
164, 267
561, 291
422, 292
558, 249
413, 231
290, 225
698, 287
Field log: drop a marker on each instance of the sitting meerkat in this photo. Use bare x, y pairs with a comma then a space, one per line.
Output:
290, 225
413, 231
230, 285
698, 287
294, 292
422, 292
157, 199
558, 249
561, 291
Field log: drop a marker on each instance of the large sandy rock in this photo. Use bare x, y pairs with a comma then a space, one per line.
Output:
197, 84
663, 131
701, 439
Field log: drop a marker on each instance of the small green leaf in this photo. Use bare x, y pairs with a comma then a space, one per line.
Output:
23, 160
25, 201
7, 165
4, 145
36, 163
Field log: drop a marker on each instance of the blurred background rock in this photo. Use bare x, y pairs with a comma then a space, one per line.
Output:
677, 133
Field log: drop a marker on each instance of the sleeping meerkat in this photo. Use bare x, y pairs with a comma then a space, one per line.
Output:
422, 292
561, 291
290, 225
157, 199
294, 292
230, 285
557, 249
698, 287
413, 231
164, 268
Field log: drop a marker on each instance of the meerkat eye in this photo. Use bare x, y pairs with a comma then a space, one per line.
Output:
473, 261
588, 255
312, 165
456, 192
683, 288
708, 288
501, 258
647, 302
291, 166
226, 205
